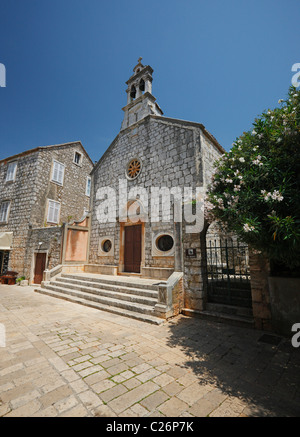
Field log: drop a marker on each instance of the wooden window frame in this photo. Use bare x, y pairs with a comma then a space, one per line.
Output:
15, 163
7, 211
80, 160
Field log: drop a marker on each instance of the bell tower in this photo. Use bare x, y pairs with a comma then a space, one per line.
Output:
140, 101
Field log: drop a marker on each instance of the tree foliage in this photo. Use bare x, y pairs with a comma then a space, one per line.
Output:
255, 190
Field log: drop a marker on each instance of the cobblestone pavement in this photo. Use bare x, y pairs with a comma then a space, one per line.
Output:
63, 359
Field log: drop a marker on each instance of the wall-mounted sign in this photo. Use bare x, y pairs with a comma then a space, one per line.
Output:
191, 253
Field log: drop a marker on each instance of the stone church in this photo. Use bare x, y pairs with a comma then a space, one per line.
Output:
152, 154
144, 249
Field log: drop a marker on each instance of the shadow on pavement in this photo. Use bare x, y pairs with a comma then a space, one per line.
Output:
233, 359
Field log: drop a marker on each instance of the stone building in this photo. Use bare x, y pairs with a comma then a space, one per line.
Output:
152, 154
40, 189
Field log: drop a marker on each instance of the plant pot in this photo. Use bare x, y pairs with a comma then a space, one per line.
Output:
285, 303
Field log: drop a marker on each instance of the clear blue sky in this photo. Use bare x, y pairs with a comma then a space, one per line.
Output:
216, 62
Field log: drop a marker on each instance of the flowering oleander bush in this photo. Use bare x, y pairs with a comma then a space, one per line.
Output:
255, 190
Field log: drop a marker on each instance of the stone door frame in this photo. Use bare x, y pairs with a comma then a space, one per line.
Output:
32, 270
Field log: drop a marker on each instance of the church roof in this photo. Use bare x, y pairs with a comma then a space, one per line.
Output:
162, 119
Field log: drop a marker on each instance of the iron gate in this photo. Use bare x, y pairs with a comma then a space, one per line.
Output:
228, 275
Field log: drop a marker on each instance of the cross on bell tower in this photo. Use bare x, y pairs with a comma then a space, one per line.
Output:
140, 101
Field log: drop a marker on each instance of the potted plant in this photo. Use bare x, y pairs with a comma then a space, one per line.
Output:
21, 281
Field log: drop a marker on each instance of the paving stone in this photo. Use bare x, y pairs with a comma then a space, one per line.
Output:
46, 412
65, 404
90, 399
104, 411
113, 393
149, 374
139, 410
111, 362
89, 371
97, 377
79, 386
176, 372
132, 397
17, 392
103, 385
82, 366
77, 411
55, 395
173, 407
193, 393
163, 379
115, 370
153, 401
132, 383
216, 396
141, 368
173, 388
202, 408
26, 410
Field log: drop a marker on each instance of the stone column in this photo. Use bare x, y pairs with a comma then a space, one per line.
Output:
148, 86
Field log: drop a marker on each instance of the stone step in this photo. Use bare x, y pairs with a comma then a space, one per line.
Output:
229, 309
232, 300
90, 289
113, 280
109, 301
236, 292
107, 286
103, 307
241, 321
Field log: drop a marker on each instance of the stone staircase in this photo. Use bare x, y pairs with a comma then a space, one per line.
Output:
122, 295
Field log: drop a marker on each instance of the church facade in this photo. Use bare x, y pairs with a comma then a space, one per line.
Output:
145, 192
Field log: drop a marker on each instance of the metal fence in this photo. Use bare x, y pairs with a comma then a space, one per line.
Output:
228, 273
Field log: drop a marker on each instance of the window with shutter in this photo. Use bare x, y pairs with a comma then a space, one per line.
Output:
58, 172
53, 211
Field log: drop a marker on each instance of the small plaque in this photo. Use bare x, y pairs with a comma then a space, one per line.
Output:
191, 253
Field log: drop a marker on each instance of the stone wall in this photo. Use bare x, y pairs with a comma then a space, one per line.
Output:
71, 194
22, 194
259, 272
51, 239
31, 189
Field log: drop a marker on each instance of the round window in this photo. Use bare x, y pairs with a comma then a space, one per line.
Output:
106, 246
165, 243
133, 168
